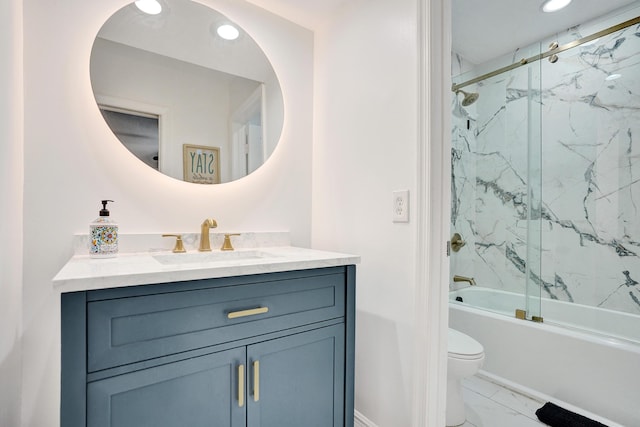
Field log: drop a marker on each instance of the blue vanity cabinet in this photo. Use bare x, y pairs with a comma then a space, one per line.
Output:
297, 380
268, 350
198, 392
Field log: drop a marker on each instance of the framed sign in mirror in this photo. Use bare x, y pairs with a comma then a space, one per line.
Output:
201, 165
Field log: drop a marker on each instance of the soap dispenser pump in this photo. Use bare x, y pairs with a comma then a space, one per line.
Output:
103, 235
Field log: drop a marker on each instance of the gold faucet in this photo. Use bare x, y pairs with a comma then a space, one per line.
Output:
226, 245
470, 280
205, 243
179, 247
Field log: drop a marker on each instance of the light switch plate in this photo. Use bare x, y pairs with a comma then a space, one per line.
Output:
401, 206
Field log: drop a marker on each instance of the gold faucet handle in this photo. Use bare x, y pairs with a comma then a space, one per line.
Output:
226, 245
179, 247
457, 243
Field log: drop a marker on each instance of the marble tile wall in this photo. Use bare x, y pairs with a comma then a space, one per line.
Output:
546, 174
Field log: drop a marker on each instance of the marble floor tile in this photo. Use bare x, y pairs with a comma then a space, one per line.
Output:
481, 386
518, 402
491, 405
484, 412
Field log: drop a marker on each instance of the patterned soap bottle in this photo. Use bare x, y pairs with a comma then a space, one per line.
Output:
103, 235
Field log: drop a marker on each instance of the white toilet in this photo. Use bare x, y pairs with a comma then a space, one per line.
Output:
465, 359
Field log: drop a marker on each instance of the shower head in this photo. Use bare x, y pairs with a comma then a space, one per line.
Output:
469, 98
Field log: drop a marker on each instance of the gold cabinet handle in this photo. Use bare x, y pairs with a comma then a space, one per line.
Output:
245, 313
256, 381
241, 385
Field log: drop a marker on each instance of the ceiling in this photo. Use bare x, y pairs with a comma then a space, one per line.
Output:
306, 13
482, 30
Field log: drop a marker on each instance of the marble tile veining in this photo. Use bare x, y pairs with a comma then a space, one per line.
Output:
546, 176
490, 405
484, 412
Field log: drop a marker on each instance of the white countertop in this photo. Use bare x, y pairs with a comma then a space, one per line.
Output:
84, 273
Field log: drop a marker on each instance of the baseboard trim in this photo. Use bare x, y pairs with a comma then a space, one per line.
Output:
362, 421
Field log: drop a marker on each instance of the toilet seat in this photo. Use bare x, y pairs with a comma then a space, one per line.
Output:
464, 347
466, 357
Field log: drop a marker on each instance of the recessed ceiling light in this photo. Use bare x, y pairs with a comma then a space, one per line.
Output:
228, 32
554, 5
151, 7
613, 77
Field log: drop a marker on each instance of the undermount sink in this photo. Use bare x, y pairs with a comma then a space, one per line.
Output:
210, 257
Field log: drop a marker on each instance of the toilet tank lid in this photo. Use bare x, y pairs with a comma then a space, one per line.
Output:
462, 344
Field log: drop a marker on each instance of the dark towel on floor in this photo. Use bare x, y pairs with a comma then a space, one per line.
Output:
555, 416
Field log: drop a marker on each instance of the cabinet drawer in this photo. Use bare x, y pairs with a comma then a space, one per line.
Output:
132, 329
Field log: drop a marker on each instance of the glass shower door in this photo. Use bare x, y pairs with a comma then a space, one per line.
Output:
591, 203
496, 189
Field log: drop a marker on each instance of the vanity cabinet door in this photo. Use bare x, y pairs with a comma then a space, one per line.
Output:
297, 380
198, 392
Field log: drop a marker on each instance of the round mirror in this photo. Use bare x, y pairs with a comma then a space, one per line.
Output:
186, 90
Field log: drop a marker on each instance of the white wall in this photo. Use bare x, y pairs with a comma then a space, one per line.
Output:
272, 115
365, 142
72, 160
11, 167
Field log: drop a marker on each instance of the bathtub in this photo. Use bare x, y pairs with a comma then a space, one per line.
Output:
596, 368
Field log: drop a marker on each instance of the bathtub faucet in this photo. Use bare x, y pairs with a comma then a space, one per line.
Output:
470, 280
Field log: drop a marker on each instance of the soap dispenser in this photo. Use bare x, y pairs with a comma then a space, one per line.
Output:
103, 235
